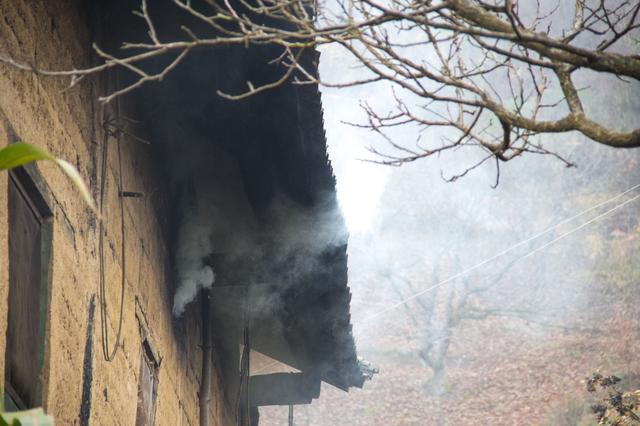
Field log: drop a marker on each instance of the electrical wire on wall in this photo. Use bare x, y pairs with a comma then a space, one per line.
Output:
108, 352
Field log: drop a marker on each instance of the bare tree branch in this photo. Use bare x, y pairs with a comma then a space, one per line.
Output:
486, 70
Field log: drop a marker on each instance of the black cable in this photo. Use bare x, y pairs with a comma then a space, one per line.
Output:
103, 168
109, 354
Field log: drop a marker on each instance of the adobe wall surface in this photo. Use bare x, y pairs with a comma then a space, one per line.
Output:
69, 124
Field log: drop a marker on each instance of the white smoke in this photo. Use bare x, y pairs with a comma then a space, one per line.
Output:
220, 221
305, 232
194, 244
215, 218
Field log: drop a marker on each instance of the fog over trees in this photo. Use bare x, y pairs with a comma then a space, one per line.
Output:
514, 294
485, 295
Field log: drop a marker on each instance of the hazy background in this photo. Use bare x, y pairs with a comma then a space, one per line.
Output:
525, 289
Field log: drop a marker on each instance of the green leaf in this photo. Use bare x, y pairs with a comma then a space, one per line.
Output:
19, 154
77, 180
34, 417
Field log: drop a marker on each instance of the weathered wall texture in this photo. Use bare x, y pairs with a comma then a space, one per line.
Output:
69, 123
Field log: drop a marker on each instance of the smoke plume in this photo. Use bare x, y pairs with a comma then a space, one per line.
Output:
194, 245
214, 217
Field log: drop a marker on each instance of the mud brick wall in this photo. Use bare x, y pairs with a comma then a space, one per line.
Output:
79, 386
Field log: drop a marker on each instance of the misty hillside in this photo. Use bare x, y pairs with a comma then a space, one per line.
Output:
490, 298
511, 341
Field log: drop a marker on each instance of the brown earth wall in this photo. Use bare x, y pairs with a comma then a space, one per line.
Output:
69, 124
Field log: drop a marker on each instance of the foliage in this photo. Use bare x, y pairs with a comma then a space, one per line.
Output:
616, 408
21, 153
34, 417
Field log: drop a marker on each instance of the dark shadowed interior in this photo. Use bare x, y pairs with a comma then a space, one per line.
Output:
279, 253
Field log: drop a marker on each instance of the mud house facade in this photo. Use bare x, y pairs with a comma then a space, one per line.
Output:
86, 323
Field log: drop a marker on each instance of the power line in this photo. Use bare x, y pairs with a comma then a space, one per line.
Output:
513, 247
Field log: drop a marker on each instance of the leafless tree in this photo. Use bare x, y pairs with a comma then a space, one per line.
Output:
432, 254
492, 73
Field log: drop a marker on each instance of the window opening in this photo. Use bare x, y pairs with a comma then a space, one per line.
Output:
147, 386
29, 256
